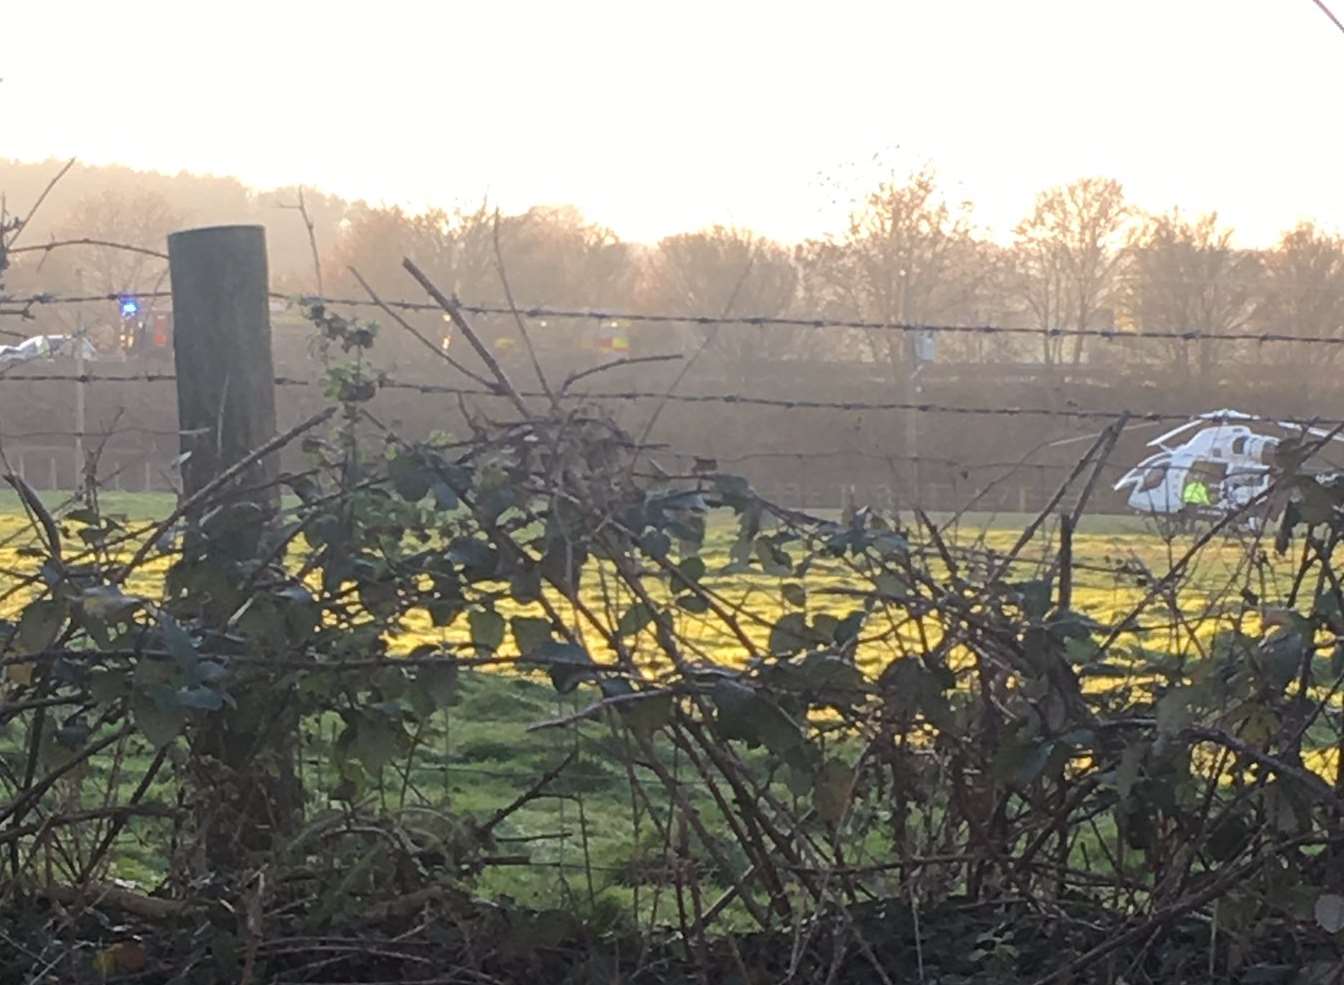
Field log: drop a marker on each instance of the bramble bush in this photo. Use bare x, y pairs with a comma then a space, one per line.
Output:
851, 749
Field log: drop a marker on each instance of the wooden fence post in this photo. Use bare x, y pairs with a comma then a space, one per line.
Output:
222, 347
226, 409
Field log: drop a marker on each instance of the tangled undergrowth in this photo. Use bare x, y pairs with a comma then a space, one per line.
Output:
886, 762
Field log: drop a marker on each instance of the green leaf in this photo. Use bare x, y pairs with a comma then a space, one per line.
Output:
525, 585
694, 604
1022, 759
655, 544
1127, 773
377, 740
92, 535
439, 681
40, 625
1034, 597
773, 560
302, 615
106, 603
891, 545
487, 628
107, 685
832, 680
794, 594
1281, 808
744, 713
914, 688
200, 699
1080, 651
531, 633
647, 713
1329, 912
692, 569
824, 625
1227, 838
790, 634
1316, 505
73, 734
1070, 625
569, 662
177, 640
831, 790
262, 622
1175, 710
563, 565
889, 585
847, 630
443, 612
733, 703
379, 597
1328, 609
1280, 656
445, 497
410, 478
634, 619
478, 559
160, 721
1033, 761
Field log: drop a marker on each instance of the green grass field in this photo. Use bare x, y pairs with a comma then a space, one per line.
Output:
484, 753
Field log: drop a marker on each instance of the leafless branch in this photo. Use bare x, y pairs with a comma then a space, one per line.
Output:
1328, 13
615, 364
704, 344
455, 313
86, 241
518, 318
416, 334
302, 209
18, 231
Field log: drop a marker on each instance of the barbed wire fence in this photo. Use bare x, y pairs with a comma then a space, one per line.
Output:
557, 834
943, 477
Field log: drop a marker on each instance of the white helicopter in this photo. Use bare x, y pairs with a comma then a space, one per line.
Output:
1220, 469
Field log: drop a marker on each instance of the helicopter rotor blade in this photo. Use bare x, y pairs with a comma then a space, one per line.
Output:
1307, 429
1219, 416
1212, 415
1093, 436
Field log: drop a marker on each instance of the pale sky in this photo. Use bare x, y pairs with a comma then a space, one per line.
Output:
662, 117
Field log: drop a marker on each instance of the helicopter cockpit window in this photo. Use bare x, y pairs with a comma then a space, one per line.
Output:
1239, 446
1154, 477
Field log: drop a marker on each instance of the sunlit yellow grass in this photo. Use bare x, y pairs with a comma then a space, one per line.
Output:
1113, 577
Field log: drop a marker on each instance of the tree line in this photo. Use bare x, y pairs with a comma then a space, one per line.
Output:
1082, 257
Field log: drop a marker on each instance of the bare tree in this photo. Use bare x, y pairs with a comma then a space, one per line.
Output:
1184, 275
555, 257
1304, 290
100, 226
453, 247
552, 257
1067, 255
704, 274
908, 256
142, 219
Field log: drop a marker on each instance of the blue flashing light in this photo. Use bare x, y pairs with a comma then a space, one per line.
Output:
130, 307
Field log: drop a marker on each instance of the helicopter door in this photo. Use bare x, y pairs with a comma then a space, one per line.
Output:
1159, 490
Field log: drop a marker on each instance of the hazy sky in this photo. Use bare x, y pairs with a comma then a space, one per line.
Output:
659, 117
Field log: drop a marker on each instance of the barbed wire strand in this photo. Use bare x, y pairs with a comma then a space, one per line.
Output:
760, 321
739, 399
